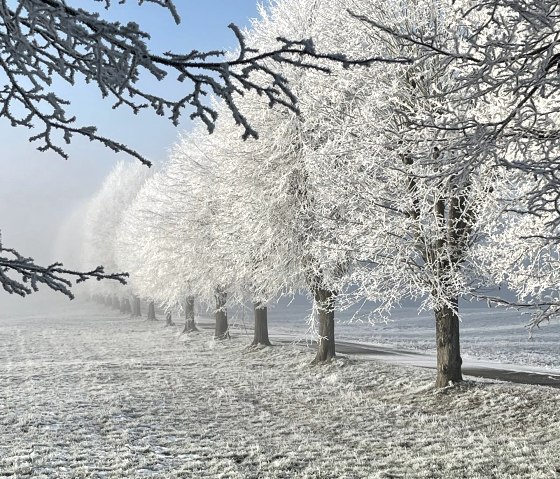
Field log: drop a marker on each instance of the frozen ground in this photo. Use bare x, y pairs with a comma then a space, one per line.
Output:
88, 394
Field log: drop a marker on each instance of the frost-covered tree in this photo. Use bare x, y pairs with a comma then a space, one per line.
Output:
406, 219
129, 236
136, 243
418, 240
104, 215
157, 240
267, 215
501, 109
300, 174
201, 220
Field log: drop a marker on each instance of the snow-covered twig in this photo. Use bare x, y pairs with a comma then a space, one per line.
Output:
42, 40
30, 275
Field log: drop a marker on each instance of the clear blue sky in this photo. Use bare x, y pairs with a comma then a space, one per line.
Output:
38, 190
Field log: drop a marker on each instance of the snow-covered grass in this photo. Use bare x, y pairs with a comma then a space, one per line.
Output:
87, 394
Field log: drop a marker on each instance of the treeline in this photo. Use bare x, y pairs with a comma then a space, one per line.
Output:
394, 182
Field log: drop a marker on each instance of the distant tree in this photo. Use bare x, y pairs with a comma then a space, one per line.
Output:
46, 40
103, 216
136, 307
162, 240
151, 316
138, 247
169, 319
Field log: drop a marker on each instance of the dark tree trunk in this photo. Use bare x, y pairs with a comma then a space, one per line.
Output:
151, 311
324, 300
222, 328
190, 325
168, 319
136, 309
125, 304
260, 336
448, 347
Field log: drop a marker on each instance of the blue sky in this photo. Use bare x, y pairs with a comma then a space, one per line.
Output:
38, 190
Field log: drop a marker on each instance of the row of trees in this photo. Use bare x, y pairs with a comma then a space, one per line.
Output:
392, 183
49, 46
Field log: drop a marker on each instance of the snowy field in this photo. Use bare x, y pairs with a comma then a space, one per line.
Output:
87, 393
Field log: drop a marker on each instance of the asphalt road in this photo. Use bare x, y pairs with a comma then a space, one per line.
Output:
424, 360
401, 356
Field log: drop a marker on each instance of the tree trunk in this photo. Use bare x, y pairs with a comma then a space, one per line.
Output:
168, 319
260, 336
136, 309
324, 300
125, 304
190, 325
151, 311
222, 329
122, 307
448, 347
